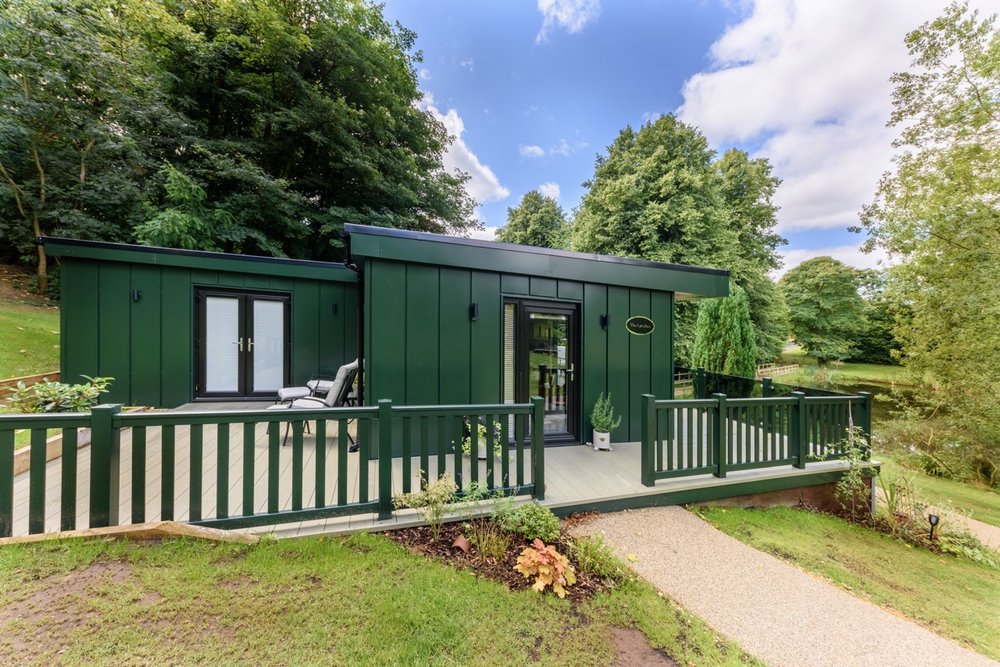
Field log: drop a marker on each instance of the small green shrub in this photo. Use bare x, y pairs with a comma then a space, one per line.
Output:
602, 417
531, 521
46, 396
431, 502
965, 545
595, 557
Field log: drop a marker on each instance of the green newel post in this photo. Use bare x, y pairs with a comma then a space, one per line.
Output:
105, 454
700, 384
538, 446
384, 458
865, 421
720, 435
648, 435
766, 391
800, 436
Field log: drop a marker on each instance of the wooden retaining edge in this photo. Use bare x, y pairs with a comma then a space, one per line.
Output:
8, 386
140, 531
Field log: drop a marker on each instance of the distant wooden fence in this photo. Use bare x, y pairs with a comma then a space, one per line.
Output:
773, 370
8, 386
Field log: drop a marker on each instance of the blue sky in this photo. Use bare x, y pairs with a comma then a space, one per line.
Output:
533, 91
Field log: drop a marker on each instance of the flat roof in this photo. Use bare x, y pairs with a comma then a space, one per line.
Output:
426, 248
197, 259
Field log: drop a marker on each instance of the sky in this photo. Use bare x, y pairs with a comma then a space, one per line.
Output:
533, 91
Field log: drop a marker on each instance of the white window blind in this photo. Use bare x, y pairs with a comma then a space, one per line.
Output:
222, 354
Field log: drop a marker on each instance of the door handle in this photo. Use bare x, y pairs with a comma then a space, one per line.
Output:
249, 344
570, 371
239, 344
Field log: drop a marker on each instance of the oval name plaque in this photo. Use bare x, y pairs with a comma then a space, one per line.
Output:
639, 325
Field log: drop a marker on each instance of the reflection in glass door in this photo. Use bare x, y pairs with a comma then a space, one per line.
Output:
540, 357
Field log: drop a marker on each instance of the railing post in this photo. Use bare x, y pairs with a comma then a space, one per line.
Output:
720, 435
105, 455
538, 446
700, 381
799, 434
384, 458
865, 421
648, 434
766, 391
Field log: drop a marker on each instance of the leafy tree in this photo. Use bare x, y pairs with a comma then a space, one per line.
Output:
659, 194
768, 315
538, 221
825, 309
724, 337
188, 222
875, 342
938, 212
72, 90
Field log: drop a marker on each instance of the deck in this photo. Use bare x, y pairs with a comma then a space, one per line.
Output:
577, 479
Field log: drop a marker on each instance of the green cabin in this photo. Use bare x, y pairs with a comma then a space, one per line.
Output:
437, 320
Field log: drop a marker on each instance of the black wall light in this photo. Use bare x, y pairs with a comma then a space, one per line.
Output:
604, 322
474, 311
335, 309
136, 295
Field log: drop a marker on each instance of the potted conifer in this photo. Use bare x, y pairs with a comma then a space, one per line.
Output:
602, 418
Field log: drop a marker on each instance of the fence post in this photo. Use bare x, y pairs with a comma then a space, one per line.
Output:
105, 455
648, 435
766, 387
720, 434
800, 435
699, 384
865, 422
384, 458
766, 391
538, 446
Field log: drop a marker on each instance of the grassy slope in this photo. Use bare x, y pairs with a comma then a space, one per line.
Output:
359, 600
955, 598
29, 328
977, 501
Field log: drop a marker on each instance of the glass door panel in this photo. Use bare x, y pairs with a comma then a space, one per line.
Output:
223, 345
549, 370
267, 346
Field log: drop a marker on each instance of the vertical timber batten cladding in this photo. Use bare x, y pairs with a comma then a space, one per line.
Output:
129, 312
434, 318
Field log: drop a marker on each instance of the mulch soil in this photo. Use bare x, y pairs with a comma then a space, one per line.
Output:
421, 541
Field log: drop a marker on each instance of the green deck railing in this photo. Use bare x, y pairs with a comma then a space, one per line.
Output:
720, 434
162, 464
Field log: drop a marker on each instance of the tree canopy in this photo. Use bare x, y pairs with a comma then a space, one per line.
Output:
660, 193
537, 221
824, 307
292, 117
938, 213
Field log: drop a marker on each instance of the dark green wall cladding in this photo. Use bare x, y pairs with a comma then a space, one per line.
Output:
423, 349
148, 345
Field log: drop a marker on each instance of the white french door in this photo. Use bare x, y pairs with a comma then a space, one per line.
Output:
242, 344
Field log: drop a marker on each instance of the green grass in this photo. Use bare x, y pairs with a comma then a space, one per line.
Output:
974, 500
360, 600
31, 339
841, 373
954, 598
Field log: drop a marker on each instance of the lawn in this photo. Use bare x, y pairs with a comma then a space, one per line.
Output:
841, 372
954, 598
30, 339
974, 500
330, 600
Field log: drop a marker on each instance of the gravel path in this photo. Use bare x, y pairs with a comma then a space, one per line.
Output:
772, 609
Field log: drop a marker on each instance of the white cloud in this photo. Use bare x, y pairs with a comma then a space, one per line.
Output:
531, 150
809, 83
469, 64
570, 14
484, 234
424, 74
483, 185
562, 148
549, 190
848, 254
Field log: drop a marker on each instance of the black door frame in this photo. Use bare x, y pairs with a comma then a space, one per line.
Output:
245, 390
523, 306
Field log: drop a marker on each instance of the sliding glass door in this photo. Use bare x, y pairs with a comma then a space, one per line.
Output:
242, 344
